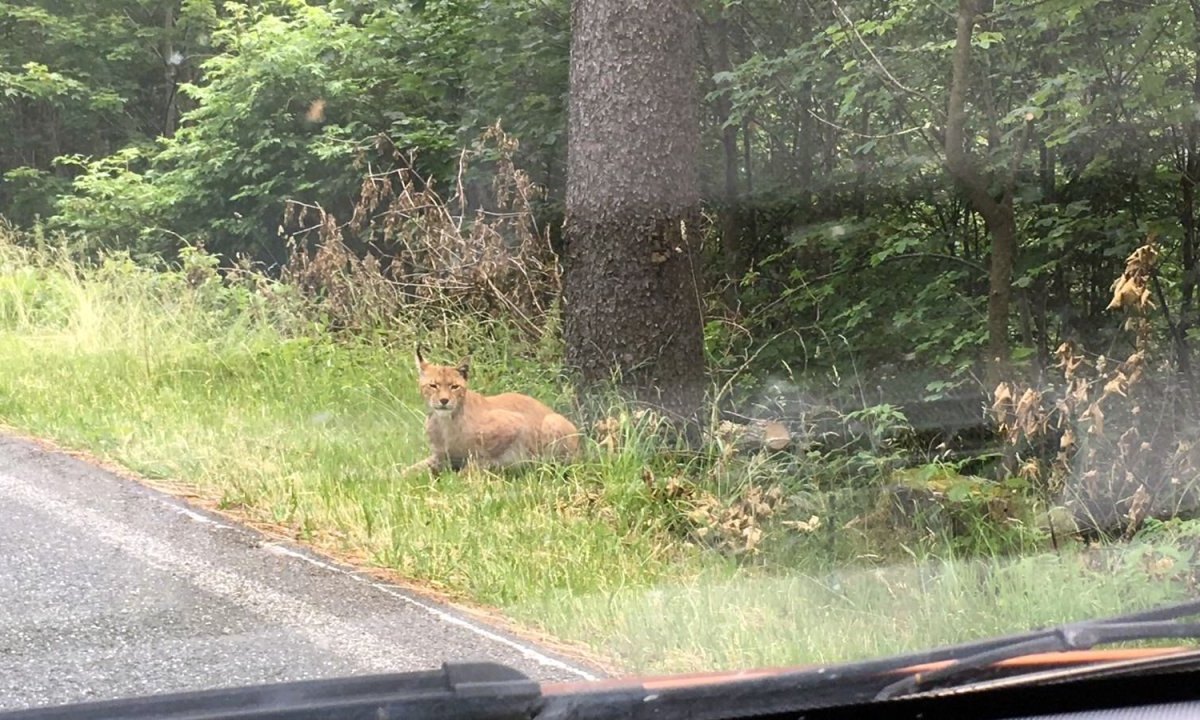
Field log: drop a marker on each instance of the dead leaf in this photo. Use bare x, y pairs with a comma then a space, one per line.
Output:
776, 436
753, 537
1096, 415
1115, 386
805, 526
1028, 417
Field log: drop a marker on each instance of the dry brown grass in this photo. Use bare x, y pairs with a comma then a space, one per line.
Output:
1125, 446
430, 254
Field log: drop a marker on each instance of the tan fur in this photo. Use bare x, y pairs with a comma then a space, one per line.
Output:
497, 431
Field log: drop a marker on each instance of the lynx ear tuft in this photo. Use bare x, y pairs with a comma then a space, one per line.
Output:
464, 367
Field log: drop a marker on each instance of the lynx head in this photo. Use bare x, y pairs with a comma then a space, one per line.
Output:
443, 386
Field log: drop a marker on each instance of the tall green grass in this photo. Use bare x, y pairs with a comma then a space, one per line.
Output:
227, 388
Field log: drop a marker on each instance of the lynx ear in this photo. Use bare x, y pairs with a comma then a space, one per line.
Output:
421, 364
464, 367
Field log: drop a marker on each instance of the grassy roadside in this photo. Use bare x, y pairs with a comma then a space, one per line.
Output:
226, 389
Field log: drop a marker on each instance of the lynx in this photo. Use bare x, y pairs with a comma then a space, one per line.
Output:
494, 431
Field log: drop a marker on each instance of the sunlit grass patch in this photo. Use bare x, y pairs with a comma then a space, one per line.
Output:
761, 620
310, 442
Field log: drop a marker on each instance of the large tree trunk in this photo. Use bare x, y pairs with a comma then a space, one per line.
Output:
997, 215
631, 295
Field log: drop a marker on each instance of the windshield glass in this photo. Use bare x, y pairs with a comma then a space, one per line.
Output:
595, 338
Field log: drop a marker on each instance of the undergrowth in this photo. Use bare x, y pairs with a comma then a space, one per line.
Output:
660, 560
292, 401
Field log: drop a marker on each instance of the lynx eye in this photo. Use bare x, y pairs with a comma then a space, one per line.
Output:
455, 387
433, 386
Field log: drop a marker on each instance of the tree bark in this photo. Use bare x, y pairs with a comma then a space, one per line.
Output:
632, 303
998, 216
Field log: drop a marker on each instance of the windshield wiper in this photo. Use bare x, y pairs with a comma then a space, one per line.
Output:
463, 691
1157, 624
486, 691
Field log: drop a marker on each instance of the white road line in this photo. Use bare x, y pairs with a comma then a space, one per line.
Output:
323, 629
373, 652
193, 515
525, 650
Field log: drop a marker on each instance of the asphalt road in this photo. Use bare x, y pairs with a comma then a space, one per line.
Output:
110, 589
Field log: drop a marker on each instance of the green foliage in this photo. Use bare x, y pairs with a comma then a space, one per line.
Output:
215, 380
80, 79
298, 100
31, 193
251, 142
854, 236
167, 139
115, 204
846, 223
879, 292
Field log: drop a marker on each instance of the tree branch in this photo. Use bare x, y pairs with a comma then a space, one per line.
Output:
849, 25
958, 162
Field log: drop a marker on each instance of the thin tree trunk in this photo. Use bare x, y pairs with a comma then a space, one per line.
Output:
1187, 219
809, 133
749, 214
997, 215
731, 248
1189, 177
862, 173
1048, 174
171, 73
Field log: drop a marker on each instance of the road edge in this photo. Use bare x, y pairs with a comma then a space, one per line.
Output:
482, 620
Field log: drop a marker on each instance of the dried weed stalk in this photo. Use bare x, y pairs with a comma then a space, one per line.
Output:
1125, 451
424, 252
